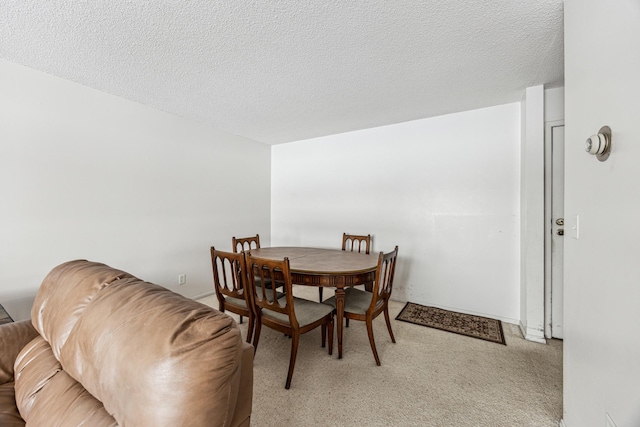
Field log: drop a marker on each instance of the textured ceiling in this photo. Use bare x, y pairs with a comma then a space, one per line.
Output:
279, 71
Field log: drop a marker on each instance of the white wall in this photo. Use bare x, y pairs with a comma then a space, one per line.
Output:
554, 104
602, 268
84, 174
445, 190
532, 215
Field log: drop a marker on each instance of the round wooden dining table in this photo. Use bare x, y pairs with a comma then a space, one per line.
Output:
328, 268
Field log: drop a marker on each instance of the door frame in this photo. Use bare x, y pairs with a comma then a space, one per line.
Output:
548, 129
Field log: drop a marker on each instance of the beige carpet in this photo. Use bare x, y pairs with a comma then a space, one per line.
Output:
428, 378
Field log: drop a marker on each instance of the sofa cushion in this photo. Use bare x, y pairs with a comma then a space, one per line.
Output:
46, 395
44, 392
13, 337
9, 415
64, 294
155, 358
34, 367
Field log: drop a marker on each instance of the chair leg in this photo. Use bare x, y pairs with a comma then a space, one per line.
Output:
331, 336
386, 317
292, 361
320, 293
323, 332
346, 321
256, 334
250, 329
372, 341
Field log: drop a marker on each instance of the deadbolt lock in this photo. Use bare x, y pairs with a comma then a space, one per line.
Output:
560, 221
560, 232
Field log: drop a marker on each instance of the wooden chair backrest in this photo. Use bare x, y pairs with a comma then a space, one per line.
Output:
383, 284
352, 242
229, 275
243, 244
263, 271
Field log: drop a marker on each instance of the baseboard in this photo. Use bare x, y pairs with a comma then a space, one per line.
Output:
532, 335
206, 294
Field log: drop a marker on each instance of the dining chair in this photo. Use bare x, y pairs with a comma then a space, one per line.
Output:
288, 314
366, 306
230, 279
354, 243
242, 244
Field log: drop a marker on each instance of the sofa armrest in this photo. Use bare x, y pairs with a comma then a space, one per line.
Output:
242, 413
13, 338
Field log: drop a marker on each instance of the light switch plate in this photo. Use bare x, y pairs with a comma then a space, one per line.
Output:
575, 227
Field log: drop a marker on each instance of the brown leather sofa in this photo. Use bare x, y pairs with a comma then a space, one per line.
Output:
104, 348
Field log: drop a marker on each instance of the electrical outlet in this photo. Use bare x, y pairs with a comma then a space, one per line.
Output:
609, 421
182, 279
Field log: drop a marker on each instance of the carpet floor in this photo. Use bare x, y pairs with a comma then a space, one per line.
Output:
428, 378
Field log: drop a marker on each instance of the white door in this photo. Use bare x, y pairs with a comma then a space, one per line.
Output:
557, 229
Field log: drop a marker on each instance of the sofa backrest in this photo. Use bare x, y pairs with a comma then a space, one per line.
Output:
150, 357
65, 293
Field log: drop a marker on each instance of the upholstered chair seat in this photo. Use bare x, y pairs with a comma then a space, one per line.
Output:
306, 311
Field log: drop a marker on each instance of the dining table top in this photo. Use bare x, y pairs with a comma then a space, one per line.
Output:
320, 260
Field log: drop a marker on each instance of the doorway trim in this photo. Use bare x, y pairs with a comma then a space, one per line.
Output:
548, 130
